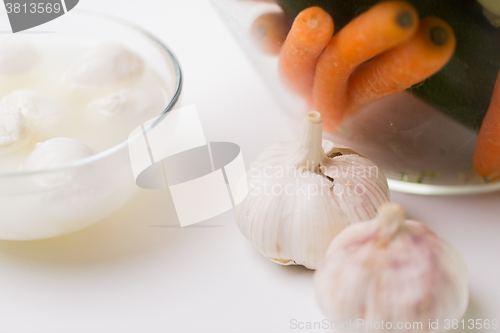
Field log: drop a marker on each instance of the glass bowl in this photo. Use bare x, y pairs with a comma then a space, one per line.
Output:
104, 182
423, 137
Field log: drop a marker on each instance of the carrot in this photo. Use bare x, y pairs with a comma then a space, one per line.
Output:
382, 27
311, 31
403, 66
487, 154
269, 31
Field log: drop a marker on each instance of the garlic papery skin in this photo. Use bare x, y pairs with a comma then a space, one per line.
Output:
393, 270
104, 66
303, 193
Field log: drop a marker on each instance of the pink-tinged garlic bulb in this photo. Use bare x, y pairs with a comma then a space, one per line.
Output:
303, 193
393, 270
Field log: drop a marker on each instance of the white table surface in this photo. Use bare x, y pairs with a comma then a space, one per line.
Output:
131, 273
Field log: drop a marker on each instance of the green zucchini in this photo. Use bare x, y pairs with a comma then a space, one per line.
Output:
463, 88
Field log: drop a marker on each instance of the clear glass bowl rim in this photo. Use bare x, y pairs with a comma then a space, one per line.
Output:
124, 144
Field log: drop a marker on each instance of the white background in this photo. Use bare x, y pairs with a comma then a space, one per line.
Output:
132, 273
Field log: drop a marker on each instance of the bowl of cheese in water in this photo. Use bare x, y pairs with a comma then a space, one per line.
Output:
71, 92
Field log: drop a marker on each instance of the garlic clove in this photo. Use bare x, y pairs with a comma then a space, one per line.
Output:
107, 65
393, 270
303, 193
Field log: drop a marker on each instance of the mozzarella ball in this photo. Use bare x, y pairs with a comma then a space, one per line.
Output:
123, 102
17, 57
106, 65
491, 5
33, 104
54, 153
44, 112
14, 128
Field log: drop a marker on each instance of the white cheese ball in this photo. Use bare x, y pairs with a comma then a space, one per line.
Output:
43, 111
17, 57
14, 128
123, 102
491, 5
106, 65
33, 104
54, 153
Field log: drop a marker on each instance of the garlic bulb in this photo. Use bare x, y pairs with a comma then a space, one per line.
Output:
392, 270
303, 193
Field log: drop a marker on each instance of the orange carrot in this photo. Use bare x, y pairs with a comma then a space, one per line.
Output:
311, 31
382, 27
487, 154
269, 31
403, 66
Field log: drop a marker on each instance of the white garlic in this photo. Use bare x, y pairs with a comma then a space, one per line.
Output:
14, 128
17, 57
123, 102
303, 193
106, 65
44, 112
393, 270
54, 153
